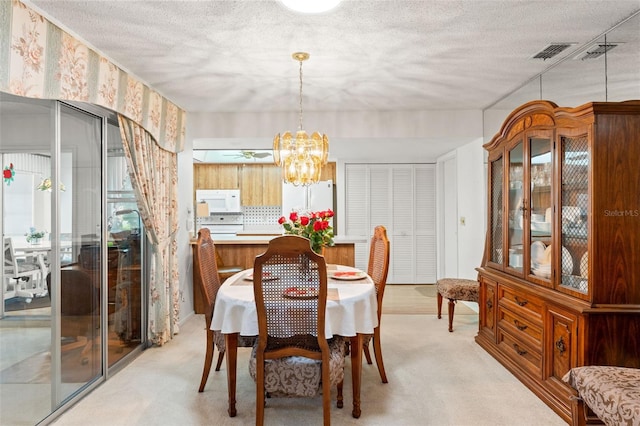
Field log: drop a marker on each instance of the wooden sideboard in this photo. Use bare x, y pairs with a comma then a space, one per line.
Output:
243, 252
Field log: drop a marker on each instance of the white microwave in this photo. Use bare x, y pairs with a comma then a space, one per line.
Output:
220, 200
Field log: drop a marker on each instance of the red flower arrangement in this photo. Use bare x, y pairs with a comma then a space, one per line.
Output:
315, 226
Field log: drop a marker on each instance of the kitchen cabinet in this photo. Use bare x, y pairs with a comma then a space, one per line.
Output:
216, 176
259, 184
560, 279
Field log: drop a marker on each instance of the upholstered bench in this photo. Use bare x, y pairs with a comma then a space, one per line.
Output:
612, 393
456, 289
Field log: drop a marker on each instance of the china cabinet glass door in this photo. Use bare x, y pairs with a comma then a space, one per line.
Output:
516, 207
540, 207
496, 250
574, 199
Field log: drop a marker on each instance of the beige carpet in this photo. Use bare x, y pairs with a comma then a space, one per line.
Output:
411, 299
435, 378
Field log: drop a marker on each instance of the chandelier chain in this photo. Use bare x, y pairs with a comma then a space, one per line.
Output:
300, 125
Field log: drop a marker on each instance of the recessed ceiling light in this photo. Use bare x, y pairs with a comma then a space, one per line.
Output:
310, 6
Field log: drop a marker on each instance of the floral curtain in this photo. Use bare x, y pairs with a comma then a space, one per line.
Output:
154, 177
40, 60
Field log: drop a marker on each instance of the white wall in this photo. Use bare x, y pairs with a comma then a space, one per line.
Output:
471, 190
372, 136
185, 227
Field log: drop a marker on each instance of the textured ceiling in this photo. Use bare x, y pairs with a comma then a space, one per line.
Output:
228, 56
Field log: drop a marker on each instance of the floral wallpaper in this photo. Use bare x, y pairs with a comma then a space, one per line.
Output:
40, 60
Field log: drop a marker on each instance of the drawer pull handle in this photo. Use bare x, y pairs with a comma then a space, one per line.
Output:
560, 346
518, 350
489, 304
520, 301
520, 326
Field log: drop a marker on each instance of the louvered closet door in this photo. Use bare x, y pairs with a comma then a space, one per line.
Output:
380, 198
400, 197
402, 265
357, 209
425, 223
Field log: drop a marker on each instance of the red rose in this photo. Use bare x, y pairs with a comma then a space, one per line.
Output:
282, 220
293, 216
304, 221
325, 224
317, 226
329, 213
6, 173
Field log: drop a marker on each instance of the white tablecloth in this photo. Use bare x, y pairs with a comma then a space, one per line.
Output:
355, 311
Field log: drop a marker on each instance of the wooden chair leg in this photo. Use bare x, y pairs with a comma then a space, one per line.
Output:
367, 355
439, 306
377, 350
452, 306
326, 396
207, 360
220, 358
260, 394
340, 401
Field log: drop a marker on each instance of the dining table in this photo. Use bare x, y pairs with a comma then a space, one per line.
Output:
351, 312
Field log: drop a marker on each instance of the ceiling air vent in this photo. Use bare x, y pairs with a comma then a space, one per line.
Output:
596, 50
551, 50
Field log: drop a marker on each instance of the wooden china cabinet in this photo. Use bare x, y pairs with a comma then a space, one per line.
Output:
560, 279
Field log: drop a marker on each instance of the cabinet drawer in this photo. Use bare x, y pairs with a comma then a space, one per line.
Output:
519, 301
521, 353
522, 326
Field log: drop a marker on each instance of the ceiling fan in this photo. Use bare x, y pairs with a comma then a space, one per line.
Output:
250, 155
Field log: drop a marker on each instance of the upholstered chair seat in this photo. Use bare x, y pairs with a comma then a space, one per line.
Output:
456, 289
300, 376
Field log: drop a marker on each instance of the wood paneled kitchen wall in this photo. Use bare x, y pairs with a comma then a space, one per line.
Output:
259, 184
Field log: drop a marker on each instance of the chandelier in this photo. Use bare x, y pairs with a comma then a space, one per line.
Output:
301, 157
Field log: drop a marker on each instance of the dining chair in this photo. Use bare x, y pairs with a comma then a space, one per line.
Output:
28, 273
210, 281
226, 271
378, 270
292, 356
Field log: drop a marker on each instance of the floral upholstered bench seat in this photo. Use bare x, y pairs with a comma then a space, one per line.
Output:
612, 393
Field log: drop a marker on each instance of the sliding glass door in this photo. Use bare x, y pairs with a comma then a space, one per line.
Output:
73, 256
